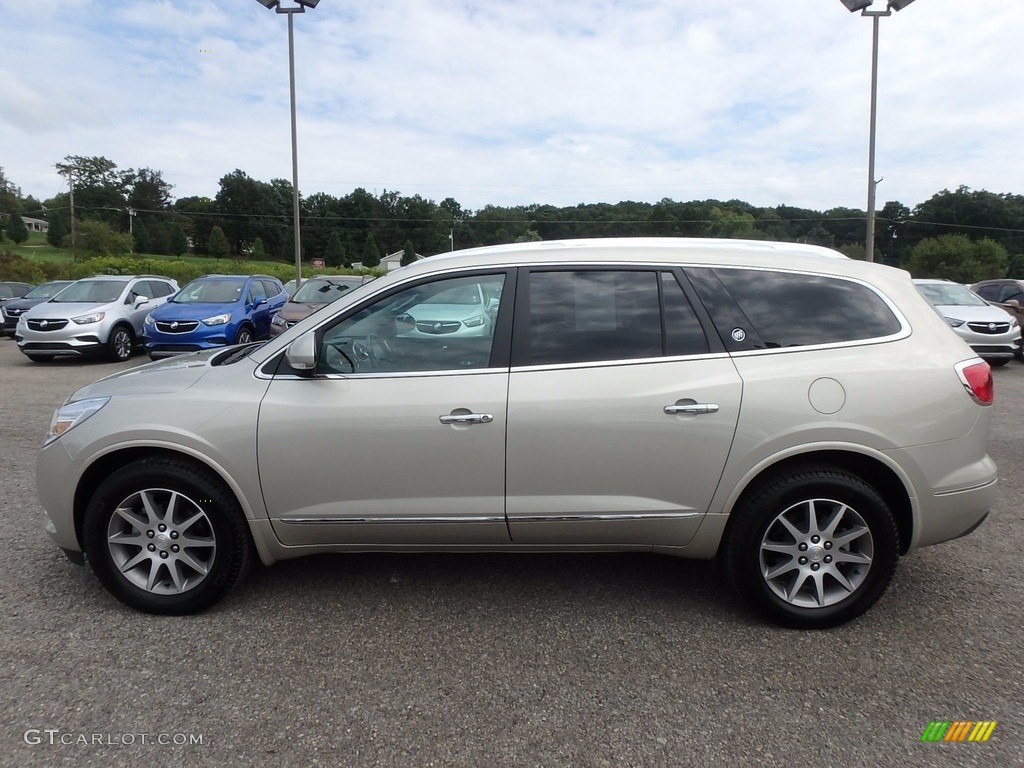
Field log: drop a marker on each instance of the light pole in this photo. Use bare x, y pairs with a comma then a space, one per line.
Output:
864, 7
300, 6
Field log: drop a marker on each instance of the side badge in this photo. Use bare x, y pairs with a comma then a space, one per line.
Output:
738, 334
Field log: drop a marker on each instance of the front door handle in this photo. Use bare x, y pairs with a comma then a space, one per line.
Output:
466, 418
691, 409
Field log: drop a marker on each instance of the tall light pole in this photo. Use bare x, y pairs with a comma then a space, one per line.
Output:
864, 7
290, 10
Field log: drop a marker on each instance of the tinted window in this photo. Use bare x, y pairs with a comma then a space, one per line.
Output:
141, 288
271, 287
683, 334
5, 291
990, 292
211, 291
789, 310
160, 288
591, 315
256, 291
442, 325
92, 291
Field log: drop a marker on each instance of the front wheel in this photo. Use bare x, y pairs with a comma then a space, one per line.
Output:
244, 335
121, 344
166, 536
813, 548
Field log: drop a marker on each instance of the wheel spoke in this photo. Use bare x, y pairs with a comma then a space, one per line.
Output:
152, 515
853, 534
154, 569
128, 515
830, 527
852, 557
836, 574
782, 568
141, 557
175, 571
192, 563
795, 532
128, 539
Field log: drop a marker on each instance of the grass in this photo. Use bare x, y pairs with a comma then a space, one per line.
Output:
36, 260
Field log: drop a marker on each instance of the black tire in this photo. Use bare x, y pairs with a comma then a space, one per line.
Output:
40, 358
809, 561
244, 335
121, 343
201, 552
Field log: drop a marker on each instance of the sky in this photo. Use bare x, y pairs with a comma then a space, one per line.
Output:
518, 102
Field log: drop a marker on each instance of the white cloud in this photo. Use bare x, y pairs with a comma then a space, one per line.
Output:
521, 101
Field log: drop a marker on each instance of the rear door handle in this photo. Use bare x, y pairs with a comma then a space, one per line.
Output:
466, 418
691, 409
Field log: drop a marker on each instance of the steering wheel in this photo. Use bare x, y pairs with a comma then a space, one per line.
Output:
383, 351
334, 354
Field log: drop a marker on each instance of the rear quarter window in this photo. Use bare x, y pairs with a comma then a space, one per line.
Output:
789, 309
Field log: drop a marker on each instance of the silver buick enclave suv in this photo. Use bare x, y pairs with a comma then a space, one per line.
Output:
772, 405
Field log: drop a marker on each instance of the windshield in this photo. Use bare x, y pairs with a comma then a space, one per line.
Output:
46, 290
320, 292
951, 295
91, 292
207, 291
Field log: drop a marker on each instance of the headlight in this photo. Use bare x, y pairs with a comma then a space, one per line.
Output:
217, 319
149, 320
954, 322
278, 320
95, 317
473, 322
72, 414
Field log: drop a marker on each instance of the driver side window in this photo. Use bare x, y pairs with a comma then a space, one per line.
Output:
443, 325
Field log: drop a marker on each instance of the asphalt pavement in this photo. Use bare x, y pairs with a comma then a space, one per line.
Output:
498, 660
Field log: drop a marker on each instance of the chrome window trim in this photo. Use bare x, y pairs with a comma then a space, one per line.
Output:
621, 362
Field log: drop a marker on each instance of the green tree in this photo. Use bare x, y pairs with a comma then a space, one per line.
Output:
371, 254
1015, 266
408, 253
259, 250
177, 240
219, 247
958, 258
96, 238
335, 254
140, 237
16, 229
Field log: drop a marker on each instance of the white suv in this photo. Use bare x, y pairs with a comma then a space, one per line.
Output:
770, 404
96, 315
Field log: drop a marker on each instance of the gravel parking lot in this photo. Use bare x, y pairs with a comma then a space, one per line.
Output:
419, 660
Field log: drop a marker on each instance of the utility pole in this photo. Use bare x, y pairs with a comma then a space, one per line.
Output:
71, 182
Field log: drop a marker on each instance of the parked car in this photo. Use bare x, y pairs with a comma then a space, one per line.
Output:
461, 311
770, 404
987, 329
1007, 294
290, 287
97, 315
316, 292
13, 290
214, 311
14, 308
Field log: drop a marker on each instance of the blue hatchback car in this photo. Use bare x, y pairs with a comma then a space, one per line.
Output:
214, 311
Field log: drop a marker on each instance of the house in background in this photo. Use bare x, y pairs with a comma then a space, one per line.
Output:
36, 225
391, 261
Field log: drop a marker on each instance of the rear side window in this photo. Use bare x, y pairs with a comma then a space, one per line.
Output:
595, 315
271, 287
787, 309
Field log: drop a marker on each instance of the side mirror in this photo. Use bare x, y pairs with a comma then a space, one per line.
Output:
1013, 304
301, 353
140, 300
258, 301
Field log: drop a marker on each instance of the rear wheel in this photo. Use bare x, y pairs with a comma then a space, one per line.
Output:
165, 536
121, 343
813, 548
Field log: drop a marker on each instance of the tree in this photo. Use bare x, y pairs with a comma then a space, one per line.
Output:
16, 229
58, 229
958, 258
334, 253
96, 238
140, 237
371, 254
100, 188
219, 246
408, 253
177, 240
259, 250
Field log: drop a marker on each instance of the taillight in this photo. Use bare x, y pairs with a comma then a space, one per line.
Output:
976, 376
